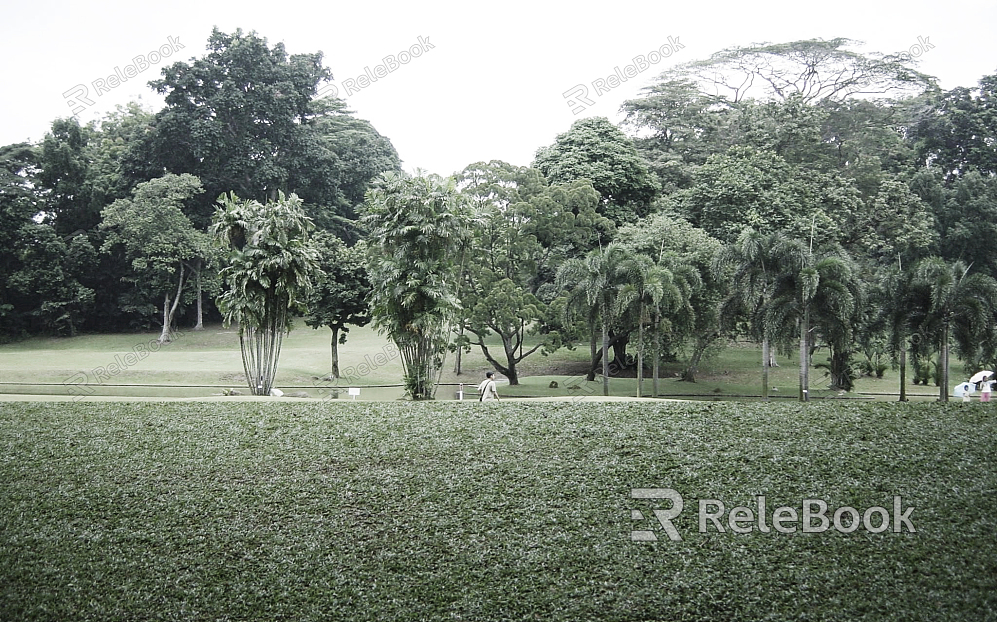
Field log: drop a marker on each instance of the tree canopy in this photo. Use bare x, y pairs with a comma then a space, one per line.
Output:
596, 150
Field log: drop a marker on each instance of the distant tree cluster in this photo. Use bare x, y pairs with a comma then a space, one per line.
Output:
807, 196
106, 224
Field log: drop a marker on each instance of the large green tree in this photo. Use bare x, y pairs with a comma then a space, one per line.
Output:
244, 118
47, 287
895, 225
813, 69
234, 117
20, 202
956, 131
419, 234
339, 298
964, 213
744, 187
677, 127
596, 150
523, 231
81, 171
65, 161
346, 154
158, 239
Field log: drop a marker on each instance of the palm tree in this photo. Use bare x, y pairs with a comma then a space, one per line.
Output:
750, 258
269, 271
899, 306
593, 283
675, 312
814, 291
962, 308
648, 288
419, 230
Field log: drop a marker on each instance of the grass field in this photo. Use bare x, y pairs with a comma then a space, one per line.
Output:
202, 364
329, 510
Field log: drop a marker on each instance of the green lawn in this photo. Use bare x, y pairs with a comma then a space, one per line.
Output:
329, 510
202, 364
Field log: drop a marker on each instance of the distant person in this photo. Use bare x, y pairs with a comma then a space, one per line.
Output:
487, 388
985, 389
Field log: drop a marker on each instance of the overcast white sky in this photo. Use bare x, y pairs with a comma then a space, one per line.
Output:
492, 86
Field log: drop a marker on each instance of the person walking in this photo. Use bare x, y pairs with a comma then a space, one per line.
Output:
487, 388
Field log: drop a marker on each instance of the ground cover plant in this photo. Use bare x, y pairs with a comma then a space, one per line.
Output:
513, 511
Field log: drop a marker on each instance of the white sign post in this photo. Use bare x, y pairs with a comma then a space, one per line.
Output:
354, 391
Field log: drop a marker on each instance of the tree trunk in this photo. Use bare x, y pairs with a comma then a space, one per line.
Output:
200, 305
689, 375
840, 369
510, 357
605, 358
804, 357
772, 361
457, 358
766, 363
640, 358
335, 354
903, 370
703, 341
169, 311
657, 353
164, 336
943, 391
594, 361
619, 345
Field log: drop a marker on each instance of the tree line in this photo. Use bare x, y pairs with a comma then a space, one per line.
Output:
841, 208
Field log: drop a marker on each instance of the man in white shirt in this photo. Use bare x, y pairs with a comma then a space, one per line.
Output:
487, 388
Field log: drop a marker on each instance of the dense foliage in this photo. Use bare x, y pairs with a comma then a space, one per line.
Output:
419, 233
859, 165
243, 118
269, 272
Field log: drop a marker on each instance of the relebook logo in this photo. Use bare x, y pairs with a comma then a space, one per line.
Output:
810, 516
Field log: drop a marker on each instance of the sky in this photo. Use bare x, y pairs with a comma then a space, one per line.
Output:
482, 81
